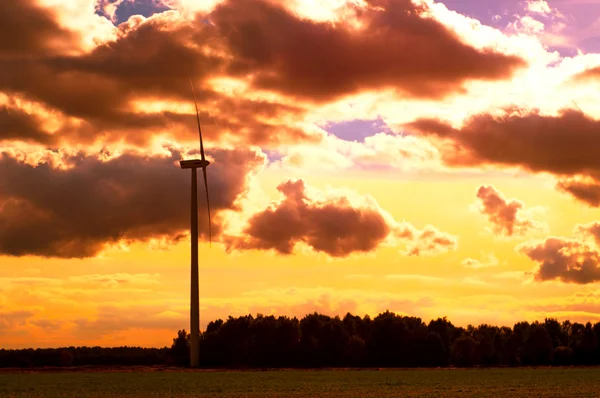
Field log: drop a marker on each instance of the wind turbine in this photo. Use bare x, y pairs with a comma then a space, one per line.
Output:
194, 164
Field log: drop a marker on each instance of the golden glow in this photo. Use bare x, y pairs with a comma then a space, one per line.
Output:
137, 293
154, 283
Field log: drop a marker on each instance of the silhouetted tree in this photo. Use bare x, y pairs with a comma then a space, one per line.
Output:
180, 350
433, 351
563, 356
556, 333
66, 358
584, 343
357, 351
316, 340
539, 347
463, 351
486, 353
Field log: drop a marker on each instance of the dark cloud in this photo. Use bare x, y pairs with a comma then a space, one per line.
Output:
590, 230
53, 212
16, 124
566, 144
503, 213
395, 48
98, 87
150, 60
27, 30
334, 226
254, 40
587, 192
563, 259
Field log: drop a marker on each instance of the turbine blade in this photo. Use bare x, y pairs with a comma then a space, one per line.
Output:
208, 207
198, 119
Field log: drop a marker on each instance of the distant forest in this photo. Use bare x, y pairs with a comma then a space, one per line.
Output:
388, 340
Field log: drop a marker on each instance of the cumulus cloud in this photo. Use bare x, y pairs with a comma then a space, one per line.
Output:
94, 93
590, 230
564, 259
585, 190
565, 144
76, 211
321, 61
572, 260
97, 94
430, 240
333, 224
506, 215
17, 124
27, 29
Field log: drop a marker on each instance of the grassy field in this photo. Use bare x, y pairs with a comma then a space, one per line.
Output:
561, 382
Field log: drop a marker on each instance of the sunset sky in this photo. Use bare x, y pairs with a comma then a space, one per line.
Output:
432, 158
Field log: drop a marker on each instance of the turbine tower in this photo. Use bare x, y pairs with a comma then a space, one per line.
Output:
194, 164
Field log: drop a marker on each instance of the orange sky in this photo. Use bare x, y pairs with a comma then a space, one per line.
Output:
405, 157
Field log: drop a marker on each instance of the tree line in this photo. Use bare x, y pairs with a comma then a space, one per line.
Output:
316, 340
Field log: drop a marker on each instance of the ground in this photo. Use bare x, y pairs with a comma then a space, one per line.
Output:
523, 382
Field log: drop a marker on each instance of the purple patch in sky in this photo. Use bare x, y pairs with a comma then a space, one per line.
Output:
485, 11
579, 16
145, 8
272, 155
357, 130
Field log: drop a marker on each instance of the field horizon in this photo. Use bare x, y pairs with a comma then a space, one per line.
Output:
176, 369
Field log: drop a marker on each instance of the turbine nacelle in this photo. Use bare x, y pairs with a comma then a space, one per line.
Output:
193, 163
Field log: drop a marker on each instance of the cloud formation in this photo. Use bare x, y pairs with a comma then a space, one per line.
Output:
27, 29
590, 230
76, 211
565, 145
387, 44
102, 93
335, 225
585, 191
571, 260
506, 215
16, 124
428, 241
564, 259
